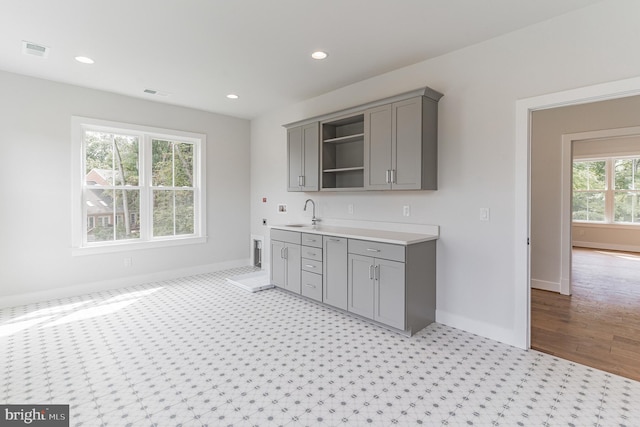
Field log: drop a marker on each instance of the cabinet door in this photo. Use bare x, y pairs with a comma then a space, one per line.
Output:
406, 143
294, 158
377, 148
293, 268
360, 285
278, 264
390, 293
334, 278
310, 156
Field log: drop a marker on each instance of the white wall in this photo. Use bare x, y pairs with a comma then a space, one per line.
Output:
35, 192
476, 150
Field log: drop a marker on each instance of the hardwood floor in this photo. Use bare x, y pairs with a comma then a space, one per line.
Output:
599, 325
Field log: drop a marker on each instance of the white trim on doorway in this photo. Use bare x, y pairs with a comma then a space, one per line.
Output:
524, 107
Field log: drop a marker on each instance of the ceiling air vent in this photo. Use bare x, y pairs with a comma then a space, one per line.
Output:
35, 49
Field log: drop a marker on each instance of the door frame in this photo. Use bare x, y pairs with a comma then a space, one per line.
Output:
522, 185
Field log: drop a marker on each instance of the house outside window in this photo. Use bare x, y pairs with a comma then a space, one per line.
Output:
606, 190
136, 186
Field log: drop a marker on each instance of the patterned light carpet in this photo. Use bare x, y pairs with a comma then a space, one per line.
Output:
200, 352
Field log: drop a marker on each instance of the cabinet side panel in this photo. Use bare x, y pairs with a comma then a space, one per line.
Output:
421, 285
429, 144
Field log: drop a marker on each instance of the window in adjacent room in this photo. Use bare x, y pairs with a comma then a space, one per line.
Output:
136, 186
607, 190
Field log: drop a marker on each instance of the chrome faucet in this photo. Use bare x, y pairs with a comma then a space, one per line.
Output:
313, 218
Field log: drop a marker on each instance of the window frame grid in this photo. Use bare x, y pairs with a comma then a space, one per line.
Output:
145, 134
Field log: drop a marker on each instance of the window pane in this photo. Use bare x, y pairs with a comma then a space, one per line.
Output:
162, 213
184, 212
162, 163
589, 175
127, 214
588, 206
626, 171
98, 158
183, 164
626, 207
99, 213
126, 160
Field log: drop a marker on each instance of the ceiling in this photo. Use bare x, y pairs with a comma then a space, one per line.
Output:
198, 51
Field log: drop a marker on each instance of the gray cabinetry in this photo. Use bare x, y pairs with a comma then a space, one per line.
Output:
342, 153
286, 260
376, 285
335, 271
303, 157
312, 266
401, 146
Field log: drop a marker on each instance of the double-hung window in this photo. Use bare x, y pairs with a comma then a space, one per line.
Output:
607, 190
136, 186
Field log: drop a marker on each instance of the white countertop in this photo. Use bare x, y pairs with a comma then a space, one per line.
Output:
383, 236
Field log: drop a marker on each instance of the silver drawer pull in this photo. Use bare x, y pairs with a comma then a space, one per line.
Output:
311, 253
310, 266
335, 240
373, 250
310, 285
310, 240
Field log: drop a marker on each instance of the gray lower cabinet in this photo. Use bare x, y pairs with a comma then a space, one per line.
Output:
303, 150
334, 278
286, 260
377, 289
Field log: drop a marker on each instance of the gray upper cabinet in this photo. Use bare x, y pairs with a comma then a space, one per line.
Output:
303, 157
389, 144
401, 146
335, 271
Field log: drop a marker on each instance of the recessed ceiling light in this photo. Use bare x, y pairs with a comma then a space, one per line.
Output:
319, 55
84, 59
232, 96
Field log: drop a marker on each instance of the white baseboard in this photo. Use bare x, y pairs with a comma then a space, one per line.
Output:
71, 291
545, 286
607, 246
507, 336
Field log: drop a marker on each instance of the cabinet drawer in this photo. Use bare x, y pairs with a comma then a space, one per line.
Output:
285, 236
312, 285
312, 266
310, 239
377, 250
310, 252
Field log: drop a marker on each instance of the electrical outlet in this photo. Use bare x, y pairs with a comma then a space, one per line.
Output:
350, 208
406, 210
128, 262
484, 214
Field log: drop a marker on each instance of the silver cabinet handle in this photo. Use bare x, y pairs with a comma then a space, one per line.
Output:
310, 285
371, 272
310, 240
386, 177
286, 253
335, 240
281, 252
311, 253
373, 250
301, 180
376, 272
393, 176
310, 266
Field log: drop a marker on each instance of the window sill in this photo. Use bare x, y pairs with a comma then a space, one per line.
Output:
132, 246
605, 225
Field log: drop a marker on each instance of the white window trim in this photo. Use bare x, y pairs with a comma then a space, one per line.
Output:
78, 221
609, 190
